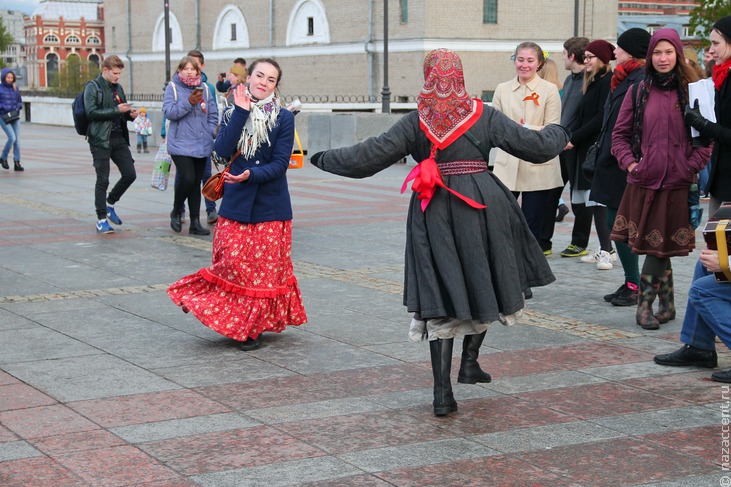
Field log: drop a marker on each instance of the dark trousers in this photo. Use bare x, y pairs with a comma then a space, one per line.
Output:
549, 219
120, 154
210, 205
188, 187
535, 206
582, 225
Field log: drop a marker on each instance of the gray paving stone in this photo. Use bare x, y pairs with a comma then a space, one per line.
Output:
634, 371
280, 474
546, 437
521, 336
539, 382
16, 450
39, 343
219, 370
178, 428
422, 398
417, 454
662, 420
722, 479
89, 377
314, 410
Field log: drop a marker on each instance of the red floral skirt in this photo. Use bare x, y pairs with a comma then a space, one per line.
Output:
655, 222
250, 287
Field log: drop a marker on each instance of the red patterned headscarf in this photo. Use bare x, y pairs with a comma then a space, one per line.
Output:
445, 109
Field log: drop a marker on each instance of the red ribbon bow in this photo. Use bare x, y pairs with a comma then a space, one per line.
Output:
533, 97
426, 178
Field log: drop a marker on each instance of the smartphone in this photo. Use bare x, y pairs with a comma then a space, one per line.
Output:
223, 75
199, 89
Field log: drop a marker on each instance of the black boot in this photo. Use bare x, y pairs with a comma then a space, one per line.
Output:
175, 221
139, 147
196, 228
4, 163
469, 370
441, 366
250, 344
144, 148
17, 166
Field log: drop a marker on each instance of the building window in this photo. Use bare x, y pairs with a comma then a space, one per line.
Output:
307, 24
52, 78
114, 36
94, 40
233, 32
50, 39
310, 26
94, 59
404, 7
489, 12
487, 95
686, 31
230, 30
73, 40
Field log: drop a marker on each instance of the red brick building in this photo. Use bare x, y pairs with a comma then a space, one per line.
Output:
58, 30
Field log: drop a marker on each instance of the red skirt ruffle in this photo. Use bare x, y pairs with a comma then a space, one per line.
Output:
250, 286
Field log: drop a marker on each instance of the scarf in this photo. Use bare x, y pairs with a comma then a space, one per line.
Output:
191, 81
446, 111
624, 69
263, 116
720, 73
661, 81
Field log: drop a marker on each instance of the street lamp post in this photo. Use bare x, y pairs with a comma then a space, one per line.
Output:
167, 40
386, 92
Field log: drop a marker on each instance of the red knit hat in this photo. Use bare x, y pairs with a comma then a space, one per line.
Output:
601, 49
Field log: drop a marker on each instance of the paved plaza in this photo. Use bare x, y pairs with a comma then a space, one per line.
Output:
105, 382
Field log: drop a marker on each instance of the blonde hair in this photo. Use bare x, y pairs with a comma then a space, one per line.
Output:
589, 78
549, 72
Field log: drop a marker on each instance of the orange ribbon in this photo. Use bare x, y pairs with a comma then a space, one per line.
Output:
533, 97
426, 178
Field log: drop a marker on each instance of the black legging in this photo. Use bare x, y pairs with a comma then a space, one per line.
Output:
656, 266
188, 186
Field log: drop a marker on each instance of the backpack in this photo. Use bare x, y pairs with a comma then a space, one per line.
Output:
81, 122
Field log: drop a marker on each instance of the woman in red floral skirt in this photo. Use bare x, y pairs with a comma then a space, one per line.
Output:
250, 286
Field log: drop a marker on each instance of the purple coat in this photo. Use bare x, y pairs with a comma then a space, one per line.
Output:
191, 129
669, 160
9, 95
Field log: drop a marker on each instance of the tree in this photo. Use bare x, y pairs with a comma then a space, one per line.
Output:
6, 38
72, 75
705, 15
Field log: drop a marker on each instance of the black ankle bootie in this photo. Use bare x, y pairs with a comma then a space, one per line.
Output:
469, 369
175, 221
196, 228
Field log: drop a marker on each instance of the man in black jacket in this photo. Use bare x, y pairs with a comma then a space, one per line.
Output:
108, 112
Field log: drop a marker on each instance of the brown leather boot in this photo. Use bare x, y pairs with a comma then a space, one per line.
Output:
666, 298
649, 287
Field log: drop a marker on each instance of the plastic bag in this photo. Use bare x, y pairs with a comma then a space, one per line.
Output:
694, 206
161, 171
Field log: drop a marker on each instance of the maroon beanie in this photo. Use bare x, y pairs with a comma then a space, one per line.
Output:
601, 49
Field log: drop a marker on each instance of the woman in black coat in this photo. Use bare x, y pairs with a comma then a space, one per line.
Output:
597, 76
719, 180
607, 186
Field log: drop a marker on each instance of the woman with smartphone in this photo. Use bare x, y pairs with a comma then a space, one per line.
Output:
193, 115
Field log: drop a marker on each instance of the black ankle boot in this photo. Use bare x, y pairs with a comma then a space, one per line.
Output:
17, 166
175, 221
441, 366
469, 370
250, 344
4, 163
196, 228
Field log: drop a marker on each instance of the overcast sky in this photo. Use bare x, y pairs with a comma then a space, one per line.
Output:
26, 6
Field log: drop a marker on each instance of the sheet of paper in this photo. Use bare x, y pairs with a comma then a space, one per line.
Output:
704, 92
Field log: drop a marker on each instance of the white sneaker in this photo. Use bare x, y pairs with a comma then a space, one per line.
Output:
593, 257
604, 262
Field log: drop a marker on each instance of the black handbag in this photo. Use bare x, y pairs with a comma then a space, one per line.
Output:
589, 164
11, 117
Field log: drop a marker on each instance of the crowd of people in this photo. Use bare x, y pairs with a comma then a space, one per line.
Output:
467, 263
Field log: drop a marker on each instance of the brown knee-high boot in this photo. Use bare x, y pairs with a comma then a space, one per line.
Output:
469, 369
666, 298
649, 287
441, 366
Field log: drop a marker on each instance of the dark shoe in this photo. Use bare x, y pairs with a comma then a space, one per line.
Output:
722, 376
627, 297
139, 147
17, 166
563, 210
441, 365
608, 297
689, 356
649, 287
212, 217
469, 370
573, 251
528, 293
250, 344
666, 298
175, 221
4, 163
196, 228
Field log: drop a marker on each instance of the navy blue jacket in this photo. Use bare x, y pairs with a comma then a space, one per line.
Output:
9, 95
264, 196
